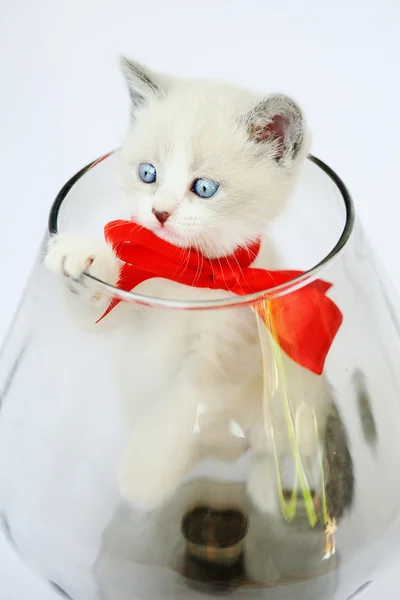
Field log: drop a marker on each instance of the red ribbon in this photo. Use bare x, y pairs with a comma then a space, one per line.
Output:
304, 322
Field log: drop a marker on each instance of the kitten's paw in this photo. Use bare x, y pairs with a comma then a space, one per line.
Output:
71, 255
147, 482
262, 487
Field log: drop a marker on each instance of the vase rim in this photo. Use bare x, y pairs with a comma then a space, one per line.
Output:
231, 302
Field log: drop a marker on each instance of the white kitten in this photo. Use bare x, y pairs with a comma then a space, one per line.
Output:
205, 165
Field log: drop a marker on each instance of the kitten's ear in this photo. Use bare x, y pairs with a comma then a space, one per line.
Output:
143, 84
278, 122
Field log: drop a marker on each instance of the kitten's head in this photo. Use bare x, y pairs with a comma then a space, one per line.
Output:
208, 165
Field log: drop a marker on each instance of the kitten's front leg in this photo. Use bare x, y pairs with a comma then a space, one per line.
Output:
160, 451
71, 255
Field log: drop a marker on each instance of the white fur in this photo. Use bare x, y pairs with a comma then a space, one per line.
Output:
197, 131
196, 387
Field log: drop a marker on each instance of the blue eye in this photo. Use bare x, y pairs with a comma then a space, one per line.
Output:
205, 188
147, 173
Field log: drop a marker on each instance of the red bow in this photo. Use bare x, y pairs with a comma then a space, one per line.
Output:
304, 322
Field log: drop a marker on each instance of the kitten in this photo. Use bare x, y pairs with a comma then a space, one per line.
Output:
204, 165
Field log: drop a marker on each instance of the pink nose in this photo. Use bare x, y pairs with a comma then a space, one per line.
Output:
161, 216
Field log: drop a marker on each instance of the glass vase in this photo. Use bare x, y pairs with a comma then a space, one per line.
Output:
295, 500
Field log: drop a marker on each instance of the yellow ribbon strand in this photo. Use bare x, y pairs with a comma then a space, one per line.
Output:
289, 507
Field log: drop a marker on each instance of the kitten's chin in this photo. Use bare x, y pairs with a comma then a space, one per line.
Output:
204, 246
201, 245
172, 237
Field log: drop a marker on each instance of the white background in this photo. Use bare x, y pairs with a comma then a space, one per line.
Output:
63, 103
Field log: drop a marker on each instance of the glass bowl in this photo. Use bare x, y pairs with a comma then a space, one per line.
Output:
295, 498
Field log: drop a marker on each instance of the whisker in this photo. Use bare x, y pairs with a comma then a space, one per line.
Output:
222, 271
211, 264
228, 261
181, 256
238, 245
251, 256
186, 264
200, 262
